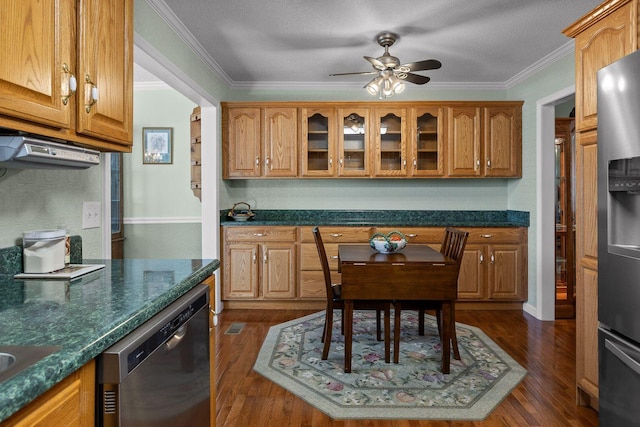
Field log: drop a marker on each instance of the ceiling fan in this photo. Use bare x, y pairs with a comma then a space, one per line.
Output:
390, 74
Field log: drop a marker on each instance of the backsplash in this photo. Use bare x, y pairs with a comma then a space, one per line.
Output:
11, 258
38, 199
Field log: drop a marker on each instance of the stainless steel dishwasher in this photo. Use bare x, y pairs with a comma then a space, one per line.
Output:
158, 375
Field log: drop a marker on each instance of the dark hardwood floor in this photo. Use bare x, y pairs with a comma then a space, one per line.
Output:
546, 397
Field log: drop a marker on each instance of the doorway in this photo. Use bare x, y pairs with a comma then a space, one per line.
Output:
564, 148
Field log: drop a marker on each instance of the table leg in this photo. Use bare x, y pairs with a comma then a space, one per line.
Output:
348, 334
446, 336
397, 307
387, 333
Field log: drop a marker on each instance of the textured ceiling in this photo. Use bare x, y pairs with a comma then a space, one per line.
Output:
301, 42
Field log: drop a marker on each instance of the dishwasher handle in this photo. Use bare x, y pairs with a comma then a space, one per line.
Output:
174, 341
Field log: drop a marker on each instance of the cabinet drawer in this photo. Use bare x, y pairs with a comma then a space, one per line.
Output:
309, 259
494, 235
337, 234
312, 284
260, 234
417, 234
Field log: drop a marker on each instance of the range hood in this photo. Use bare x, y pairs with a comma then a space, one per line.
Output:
28, 152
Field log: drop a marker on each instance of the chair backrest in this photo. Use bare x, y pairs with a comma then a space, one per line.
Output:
323, 261
453, 244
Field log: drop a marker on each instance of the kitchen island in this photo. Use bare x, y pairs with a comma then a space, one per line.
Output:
85, 316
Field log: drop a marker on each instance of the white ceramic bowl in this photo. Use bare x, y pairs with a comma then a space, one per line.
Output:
387, 246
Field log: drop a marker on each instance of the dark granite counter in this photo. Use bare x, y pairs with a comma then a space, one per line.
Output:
83, 316
390, 218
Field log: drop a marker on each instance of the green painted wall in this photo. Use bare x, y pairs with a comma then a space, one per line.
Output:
517, 194
36, 199
162, 216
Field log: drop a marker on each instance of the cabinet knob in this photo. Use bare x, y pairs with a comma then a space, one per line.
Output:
93, 93
336, 235
415, 163
340, 162
264, 258
266, 161
493, 258
330, 161
489, 163
257, 160
72, 84
481, 258
486, 236
411, 235
259, 234
478, 163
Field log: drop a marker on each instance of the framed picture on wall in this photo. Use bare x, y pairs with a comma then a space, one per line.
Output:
157, 146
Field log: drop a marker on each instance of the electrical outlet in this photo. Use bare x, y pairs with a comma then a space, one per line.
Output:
91, 215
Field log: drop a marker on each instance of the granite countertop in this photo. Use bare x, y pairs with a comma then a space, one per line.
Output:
85, 316
388, 218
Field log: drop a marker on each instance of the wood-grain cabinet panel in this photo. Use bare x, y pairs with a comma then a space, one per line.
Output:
349, 139
494, 266
66, 44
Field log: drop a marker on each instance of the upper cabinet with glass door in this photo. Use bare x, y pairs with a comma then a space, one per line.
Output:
390, 142
427, 140
353, 142
319, 141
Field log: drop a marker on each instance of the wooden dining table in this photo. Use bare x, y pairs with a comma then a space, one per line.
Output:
418, 272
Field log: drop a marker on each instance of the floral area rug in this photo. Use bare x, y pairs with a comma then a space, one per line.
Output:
415, 388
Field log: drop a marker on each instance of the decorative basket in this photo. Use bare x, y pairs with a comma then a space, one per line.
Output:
394, 241
241, 214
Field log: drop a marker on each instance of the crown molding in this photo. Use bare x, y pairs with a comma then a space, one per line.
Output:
167, 15
161, 8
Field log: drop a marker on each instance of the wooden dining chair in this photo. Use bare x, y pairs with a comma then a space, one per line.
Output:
335, 301
452, 246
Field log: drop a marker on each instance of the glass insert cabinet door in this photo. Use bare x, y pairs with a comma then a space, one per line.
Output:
319, 141
390, 130
427, 144
354, 142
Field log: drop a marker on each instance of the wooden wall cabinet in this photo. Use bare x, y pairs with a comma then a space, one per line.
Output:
354, 142
319, 138
426, 141
71, 402
260, 141
485, 142
259, 263
602, 36
67, 44
350, 140
390, 141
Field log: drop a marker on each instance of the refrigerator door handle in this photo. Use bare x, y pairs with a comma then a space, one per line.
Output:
623, 356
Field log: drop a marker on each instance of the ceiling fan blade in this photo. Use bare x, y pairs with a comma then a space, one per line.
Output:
414, 78
427, 64
377, 64
361, 73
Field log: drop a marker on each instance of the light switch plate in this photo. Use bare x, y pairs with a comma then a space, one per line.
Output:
91, 215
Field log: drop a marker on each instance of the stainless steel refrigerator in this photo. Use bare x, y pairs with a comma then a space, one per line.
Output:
619, 242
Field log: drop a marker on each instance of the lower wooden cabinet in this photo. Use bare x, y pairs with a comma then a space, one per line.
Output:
260, 262
311, 285
494, 265
69, 403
